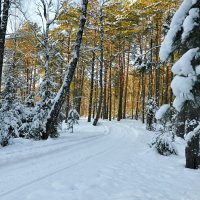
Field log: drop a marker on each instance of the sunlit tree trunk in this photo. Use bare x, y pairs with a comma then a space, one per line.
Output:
120, 71
126, 85
91, 88
137, 100
101, 68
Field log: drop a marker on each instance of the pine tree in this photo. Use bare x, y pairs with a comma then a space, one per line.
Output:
184, 35
27, 116
164, 140
42, 109
10, 112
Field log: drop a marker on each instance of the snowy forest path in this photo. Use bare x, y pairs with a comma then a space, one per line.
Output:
109, 162
43, 160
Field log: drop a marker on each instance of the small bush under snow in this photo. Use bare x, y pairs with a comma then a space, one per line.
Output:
164, 140
164, 144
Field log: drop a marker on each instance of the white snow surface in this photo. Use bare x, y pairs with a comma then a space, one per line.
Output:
109, 162
175, 26
184, 66
189, 23
161, 111
197, 70
183, 83
182, 87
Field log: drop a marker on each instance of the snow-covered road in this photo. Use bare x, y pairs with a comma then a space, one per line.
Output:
107, 162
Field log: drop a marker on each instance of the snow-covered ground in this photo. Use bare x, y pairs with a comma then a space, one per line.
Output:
109, 162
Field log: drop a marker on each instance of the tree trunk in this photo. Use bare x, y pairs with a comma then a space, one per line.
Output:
166, 85
101, 69
120, 103
51, 125
150, 84
171, 78
192, 153
126, 87
110, 89
91, 88
143, 94
80, 89
137, 101
132, 96
3, 27
105, 116
67, 105
95, 94
162, 89
157, 84
192, 148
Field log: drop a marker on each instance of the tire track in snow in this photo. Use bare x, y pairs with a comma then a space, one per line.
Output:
27, 184
84, 142
40, 153
59, 141
110, 129
43, 150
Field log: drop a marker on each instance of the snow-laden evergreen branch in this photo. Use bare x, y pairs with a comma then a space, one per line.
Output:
169, 43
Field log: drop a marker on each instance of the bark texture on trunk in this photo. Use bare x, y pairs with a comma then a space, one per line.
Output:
91, 88
101, 69
126, 86
110, 90
143, 94
3, 26
192, 153
121, 86
51, 124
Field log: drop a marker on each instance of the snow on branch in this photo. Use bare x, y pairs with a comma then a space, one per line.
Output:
182, 87
190, 22
167, 46
161, 112
183, 83
184, 65
194, 133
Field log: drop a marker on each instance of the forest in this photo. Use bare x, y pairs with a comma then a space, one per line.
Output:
101, 60
99, 99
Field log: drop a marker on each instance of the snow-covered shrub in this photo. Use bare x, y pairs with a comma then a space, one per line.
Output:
27, 116
30, 101
38, 123
164, 140
163, 143
41, 110
10, 112
166, 118
73, 118
150, 110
